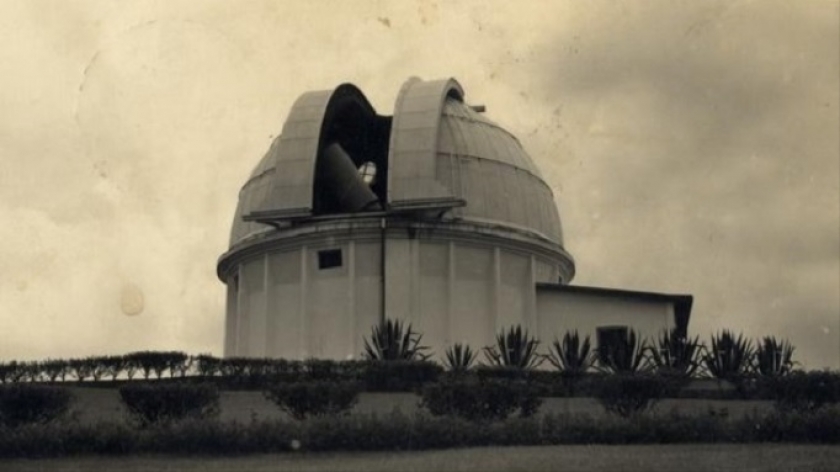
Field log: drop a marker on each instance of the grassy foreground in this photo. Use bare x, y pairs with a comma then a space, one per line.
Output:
685, 458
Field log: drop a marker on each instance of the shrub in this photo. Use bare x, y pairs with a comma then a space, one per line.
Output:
11, 372
207, 365
314, 397
55, 369
390, 341
773, 357
627, 394
114, 365
398, 375
787, 426
516, 348
321, 369
399, 432
99, 367
129, 366
80, 368
571, 355
178, 362
804, 391
285, 370
507, 373
158, 362
459, 357
29, 372
572, 358
480, 400
251, 373
729, 358
236, 370
546, 383
145, 361
169, 402
677, 355
26, 403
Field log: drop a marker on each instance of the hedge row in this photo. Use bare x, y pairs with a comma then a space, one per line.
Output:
96, 368
400, 432
408, 376
471, 397
231, 373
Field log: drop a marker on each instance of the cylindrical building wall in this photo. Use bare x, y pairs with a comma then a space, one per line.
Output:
319, 299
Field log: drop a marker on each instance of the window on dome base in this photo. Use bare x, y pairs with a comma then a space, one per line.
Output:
329, 259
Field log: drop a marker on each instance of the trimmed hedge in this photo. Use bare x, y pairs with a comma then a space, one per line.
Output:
398, 432
398, 375
393, 376
477, 399
310, 398
628, 394
22, 404
803, 391
169, 402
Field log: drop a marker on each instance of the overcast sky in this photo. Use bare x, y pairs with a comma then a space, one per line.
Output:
693, 147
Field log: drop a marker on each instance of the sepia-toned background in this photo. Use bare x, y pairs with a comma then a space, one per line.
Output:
693, 147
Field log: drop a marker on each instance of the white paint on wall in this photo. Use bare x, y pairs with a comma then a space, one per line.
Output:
559, 312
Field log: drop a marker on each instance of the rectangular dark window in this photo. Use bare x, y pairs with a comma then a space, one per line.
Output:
610, 340
329, 258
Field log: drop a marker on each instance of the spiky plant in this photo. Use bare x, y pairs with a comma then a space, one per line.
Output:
623, 354
459, 358
516, 349
391, 341
774, 357
729, 357
676, 354
571, 355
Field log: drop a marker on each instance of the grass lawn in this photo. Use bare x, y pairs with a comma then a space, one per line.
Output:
683, 458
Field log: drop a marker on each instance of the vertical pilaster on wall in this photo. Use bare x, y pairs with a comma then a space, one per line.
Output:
450, 294
350, 322
270, 315
241, 348
531, 316
303, 339
414, 311
232, 309
496, 295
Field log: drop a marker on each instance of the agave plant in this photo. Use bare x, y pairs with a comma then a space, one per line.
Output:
391, 341
571, 356
623, 354
676, 354
516, 349
729, 357
459, 357
773, 357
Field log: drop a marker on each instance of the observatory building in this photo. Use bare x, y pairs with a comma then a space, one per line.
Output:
435, 215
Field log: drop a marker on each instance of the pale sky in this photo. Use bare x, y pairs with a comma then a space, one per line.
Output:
693, 147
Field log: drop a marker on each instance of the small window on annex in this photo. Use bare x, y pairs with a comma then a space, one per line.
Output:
329, 258
611, 340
